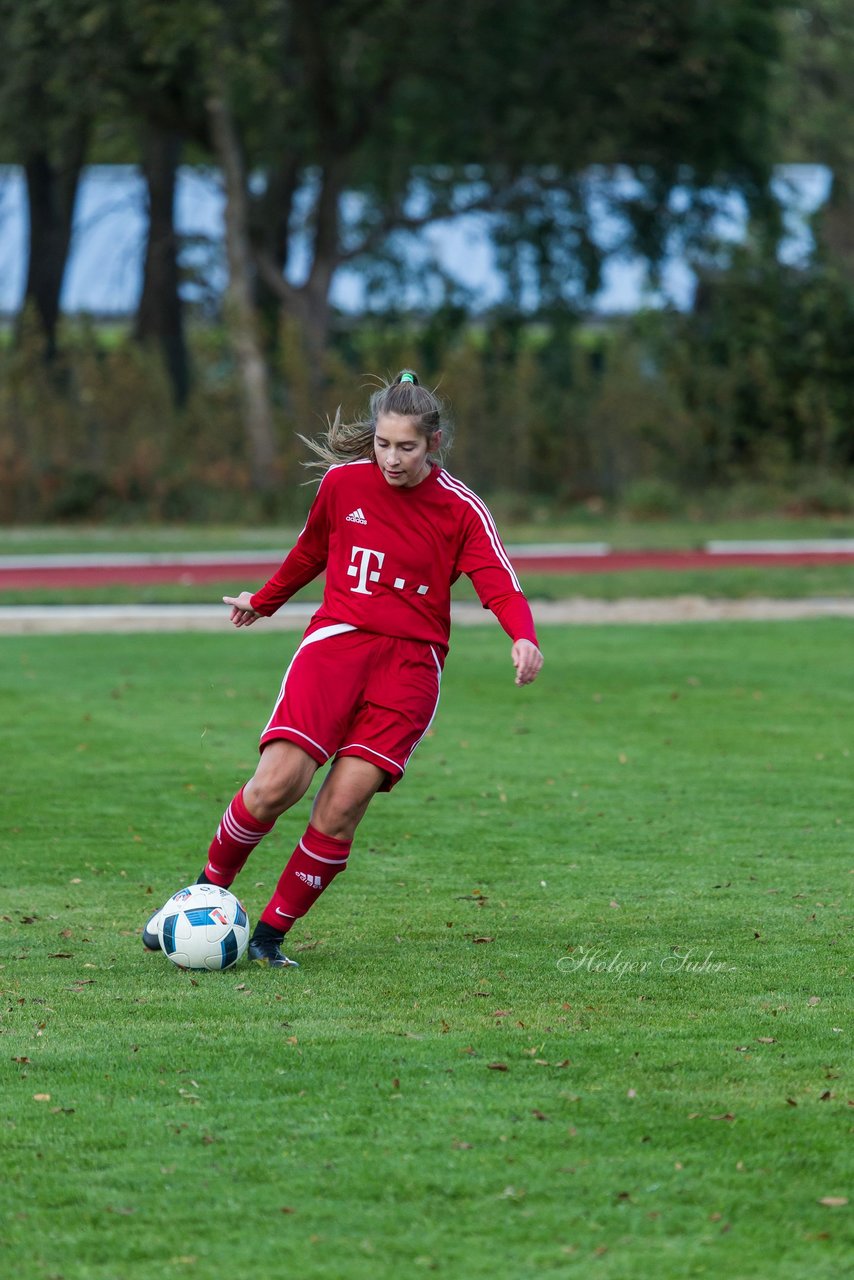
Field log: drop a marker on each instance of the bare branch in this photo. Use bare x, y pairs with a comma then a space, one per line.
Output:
488, 203
269, 272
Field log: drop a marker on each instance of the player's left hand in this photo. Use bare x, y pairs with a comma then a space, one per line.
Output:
527, 660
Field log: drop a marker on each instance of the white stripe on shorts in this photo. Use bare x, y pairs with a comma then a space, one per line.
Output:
435, 705
322, 633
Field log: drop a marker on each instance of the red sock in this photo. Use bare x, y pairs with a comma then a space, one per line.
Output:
236, 837
312, 867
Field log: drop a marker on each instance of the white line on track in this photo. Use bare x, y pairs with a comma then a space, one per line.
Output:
782, 547
580, 611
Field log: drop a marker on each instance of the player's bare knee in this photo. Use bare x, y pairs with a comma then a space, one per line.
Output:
340, 805
282, 777
266, 798
337, 816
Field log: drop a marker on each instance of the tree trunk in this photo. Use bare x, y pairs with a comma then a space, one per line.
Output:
51, 194
160, 316
270, 214
315, 308
242, 316
835, 223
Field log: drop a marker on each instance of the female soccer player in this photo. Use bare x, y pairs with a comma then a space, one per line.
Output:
393, 530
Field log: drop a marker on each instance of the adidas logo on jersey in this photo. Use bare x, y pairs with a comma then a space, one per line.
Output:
314, 882
357, 516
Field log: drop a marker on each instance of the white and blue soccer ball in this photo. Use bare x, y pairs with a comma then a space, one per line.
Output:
203, 927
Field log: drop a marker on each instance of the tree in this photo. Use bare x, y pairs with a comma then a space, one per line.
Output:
152, 63
425, 112
48, 99
241, 312
817, 109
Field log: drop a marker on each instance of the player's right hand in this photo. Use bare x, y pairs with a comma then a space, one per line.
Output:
242, 613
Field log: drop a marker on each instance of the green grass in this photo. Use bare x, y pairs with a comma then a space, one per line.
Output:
660, 796
621, 532
781, 582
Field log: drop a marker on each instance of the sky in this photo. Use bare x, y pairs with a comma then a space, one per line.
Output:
104, 272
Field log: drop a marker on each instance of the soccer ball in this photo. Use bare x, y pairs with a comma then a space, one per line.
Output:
203, 927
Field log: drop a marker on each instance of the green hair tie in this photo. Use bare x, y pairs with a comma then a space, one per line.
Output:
407, 377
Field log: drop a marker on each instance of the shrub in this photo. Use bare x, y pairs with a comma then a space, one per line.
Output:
653, 500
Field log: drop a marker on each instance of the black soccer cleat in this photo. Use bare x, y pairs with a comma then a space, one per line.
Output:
267, 953
150, 936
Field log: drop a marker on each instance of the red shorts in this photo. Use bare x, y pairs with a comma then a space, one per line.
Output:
352, 693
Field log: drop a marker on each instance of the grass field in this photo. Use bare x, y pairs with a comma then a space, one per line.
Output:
580, 1006
623, 534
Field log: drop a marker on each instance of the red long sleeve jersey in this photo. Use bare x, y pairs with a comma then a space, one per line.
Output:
391, 556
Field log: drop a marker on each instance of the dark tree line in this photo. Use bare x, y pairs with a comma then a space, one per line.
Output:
420, 112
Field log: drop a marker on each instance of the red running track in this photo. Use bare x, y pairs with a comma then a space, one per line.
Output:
249, 574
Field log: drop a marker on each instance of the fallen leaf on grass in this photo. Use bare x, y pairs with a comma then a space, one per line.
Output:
497, 1066
766, 1040
60, 955
791, 1102
834, 1202
41, 1097
538, 1115
483, 939
123, 1210
22, 1061
814, 1000
725, 1115
286, 1208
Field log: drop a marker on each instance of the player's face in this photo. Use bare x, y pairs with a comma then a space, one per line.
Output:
401, 450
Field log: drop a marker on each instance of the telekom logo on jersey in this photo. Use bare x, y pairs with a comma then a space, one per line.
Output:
362, 568
363, 571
